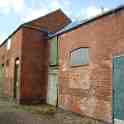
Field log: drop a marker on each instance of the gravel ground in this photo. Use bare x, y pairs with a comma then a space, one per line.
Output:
11, 113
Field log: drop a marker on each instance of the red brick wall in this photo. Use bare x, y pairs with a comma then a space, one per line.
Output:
31, 47
34, 66
9, 57
88, 89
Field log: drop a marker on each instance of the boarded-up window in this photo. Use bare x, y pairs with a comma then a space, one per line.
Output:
79, 57
53, 51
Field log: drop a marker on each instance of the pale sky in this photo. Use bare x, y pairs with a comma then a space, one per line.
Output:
15, 12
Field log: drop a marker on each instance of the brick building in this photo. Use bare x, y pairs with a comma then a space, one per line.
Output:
24, 58
91, 67
78, 67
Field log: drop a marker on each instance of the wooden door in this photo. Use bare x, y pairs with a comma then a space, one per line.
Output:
52, 91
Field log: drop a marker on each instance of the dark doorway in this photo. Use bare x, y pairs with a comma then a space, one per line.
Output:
16, 78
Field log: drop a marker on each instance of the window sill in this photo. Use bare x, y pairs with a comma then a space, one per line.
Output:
76, 66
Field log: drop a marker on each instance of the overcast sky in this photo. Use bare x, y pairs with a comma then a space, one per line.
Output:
15, 12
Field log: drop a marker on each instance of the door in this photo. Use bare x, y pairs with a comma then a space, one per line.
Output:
16, 80
118, 90
52, 88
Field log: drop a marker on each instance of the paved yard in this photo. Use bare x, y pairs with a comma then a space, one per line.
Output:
11, 113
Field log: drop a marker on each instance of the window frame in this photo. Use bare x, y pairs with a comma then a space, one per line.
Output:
78, 65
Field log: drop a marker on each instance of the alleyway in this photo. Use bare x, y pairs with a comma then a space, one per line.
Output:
11, 113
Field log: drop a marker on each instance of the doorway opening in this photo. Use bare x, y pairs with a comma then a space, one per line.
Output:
52, 90
16, 78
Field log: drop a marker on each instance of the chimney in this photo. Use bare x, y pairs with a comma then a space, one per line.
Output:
102, 9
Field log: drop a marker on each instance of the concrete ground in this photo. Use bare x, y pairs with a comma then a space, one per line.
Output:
10, 113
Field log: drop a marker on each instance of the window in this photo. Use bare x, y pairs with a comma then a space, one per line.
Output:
7, 63
79, 57
17, 61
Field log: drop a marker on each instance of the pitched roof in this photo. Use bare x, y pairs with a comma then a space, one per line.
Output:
52, 22
75, 25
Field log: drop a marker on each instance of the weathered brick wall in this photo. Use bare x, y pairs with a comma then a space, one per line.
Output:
88, 89
9, 63
33, 53
34, 67
2, 76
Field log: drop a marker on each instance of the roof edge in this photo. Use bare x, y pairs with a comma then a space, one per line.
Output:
47, 15
26, 24
112, 11
21, 26
10, 35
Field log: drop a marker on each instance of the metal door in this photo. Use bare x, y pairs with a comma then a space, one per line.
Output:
52, 88
118, 90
